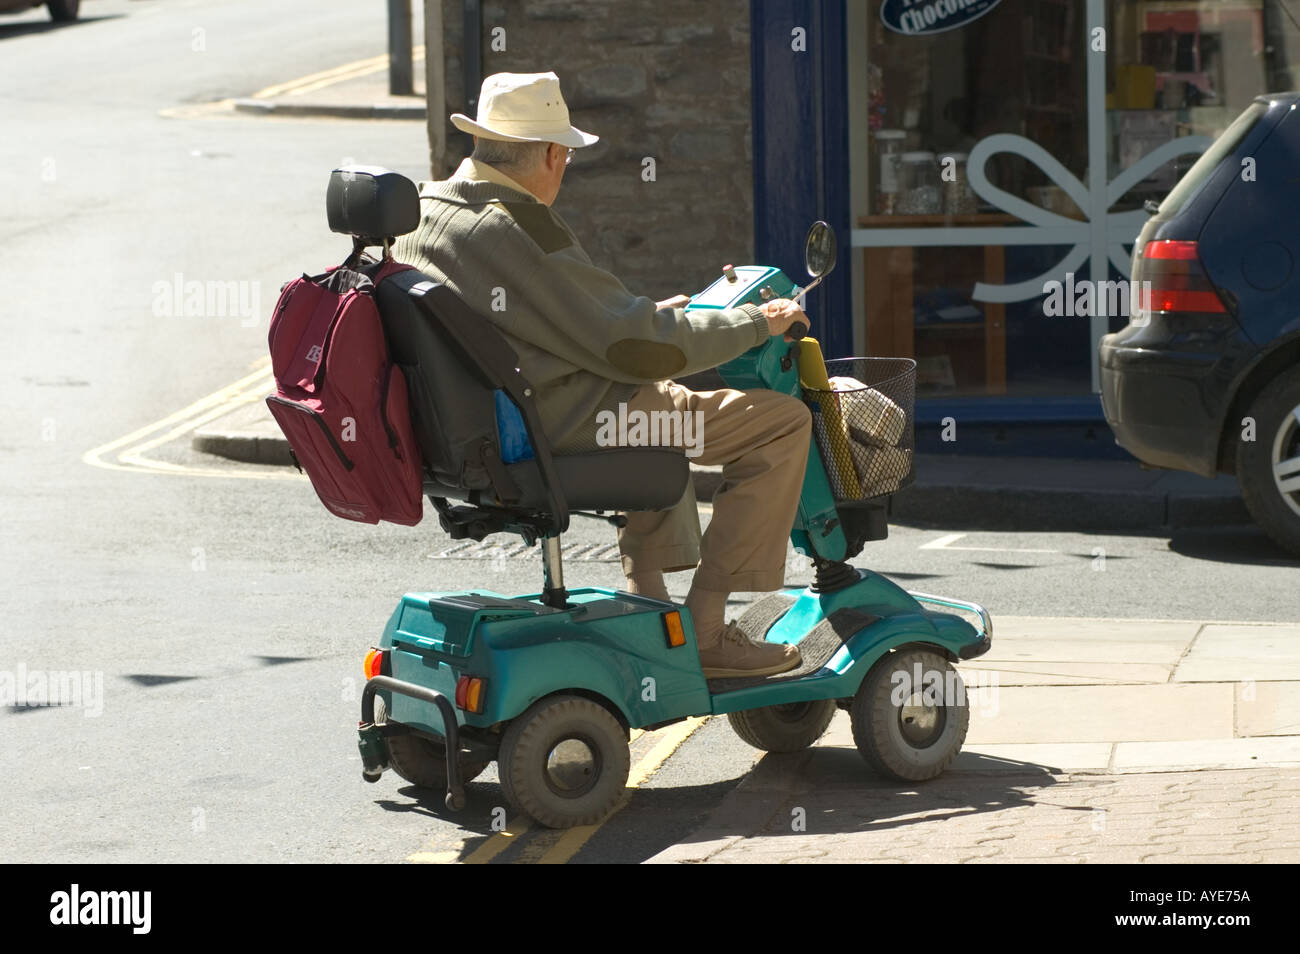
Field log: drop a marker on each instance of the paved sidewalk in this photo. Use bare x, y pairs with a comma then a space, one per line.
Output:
1090, 740
1222, 817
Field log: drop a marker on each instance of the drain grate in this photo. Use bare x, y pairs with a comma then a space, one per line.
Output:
488, 550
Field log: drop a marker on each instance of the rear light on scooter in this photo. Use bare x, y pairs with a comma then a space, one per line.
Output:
673, 629
470, 694
1177, 279
374, 665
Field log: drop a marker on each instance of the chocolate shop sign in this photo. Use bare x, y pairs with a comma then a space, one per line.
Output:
922, 17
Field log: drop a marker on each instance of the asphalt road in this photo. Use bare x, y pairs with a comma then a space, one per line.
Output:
226, 613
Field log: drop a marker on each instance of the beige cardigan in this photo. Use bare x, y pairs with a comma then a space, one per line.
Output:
584, 341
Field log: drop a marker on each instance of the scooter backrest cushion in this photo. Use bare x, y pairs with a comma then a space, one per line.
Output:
371, 203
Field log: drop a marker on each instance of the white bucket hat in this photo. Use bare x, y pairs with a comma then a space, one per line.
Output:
523, 107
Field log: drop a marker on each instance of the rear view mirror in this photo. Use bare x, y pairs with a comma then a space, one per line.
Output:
819, 250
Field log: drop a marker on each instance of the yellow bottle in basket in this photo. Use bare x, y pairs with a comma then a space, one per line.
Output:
812, 376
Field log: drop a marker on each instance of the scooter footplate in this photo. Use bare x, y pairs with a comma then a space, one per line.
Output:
816, 648
759, 618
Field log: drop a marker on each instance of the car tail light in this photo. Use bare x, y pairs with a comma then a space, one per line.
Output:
1177, 280
375, 663
470, 694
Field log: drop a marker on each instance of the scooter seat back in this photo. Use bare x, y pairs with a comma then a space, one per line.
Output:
458, 369
371, 203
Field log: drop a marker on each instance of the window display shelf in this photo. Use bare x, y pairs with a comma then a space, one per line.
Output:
965, 355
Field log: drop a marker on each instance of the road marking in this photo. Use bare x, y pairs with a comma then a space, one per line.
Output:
434, 857
289, 86
498, 842
946, 543
294, 87
541, 848
315, 81
571, 842
197, 110
128, 452
942, 542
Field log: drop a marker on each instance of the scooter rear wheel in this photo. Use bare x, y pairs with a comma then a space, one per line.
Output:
564, 762
785, 728
910, 715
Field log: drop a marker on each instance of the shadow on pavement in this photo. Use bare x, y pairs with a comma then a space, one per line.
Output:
838, 795
1245, 545
8, 30
839, 792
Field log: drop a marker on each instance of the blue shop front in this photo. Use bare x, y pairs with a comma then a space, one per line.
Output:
976, 157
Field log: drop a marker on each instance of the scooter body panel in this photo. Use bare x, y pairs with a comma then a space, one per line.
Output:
613, 646
610, 645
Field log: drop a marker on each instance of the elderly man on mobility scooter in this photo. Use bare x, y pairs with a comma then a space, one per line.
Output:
549, 685
588, 345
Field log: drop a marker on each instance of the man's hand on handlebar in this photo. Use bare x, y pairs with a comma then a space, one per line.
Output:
677, 301
781, 313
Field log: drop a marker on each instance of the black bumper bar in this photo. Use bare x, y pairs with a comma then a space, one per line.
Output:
374, 750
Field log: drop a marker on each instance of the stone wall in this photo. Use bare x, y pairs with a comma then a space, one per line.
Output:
665, 79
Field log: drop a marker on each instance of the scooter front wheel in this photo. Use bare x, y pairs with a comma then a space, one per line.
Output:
910, 715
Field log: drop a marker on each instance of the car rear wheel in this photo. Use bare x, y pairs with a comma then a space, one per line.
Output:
63, 11
1268, 468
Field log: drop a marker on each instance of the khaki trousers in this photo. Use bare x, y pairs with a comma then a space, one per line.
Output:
761, 440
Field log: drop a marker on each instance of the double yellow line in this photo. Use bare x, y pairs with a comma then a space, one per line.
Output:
559, 847
315, 81
294, 87
129, 452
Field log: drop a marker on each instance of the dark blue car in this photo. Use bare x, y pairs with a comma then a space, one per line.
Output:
61, 11
1207, 378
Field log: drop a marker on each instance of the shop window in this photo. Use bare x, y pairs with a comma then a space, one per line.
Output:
1173, 68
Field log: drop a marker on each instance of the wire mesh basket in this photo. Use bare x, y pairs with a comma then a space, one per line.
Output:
864, 425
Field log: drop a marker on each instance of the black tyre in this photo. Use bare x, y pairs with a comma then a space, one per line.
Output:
421, 761
907, 731
786, 728
1268, 468
63, 11
564, 762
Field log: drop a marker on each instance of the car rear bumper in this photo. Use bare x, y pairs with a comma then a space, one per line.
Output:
1165, 407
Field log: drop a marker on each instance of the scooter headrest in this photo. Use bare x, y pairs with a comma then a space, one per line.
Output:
371, 203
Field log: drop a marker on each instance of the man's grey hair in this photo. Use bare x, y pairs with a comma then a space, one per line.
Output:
510, 156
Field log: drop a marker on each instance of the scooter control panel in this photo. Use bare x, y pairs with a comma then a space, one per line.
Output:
741, 284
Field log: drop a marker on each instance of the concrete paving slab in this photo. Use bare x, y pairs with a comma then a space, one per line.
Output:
978, 672
1128, 630
1101, 713
1228, 652
1049, 756
1205, 754
1268, 708
1082, 649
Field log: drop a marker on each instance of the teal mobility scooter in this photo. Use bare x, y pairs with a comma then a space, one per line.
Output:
550, 684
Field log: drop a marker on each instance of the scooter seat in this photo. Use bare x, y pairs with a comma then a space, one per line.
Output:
632, 478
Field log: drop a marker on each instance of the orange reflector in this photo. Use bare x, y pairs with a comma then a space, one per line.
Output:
374, 663
673, 628
469, 694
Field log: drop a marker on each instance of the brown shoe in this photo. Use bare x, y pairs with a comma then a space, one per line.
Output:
732, 653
